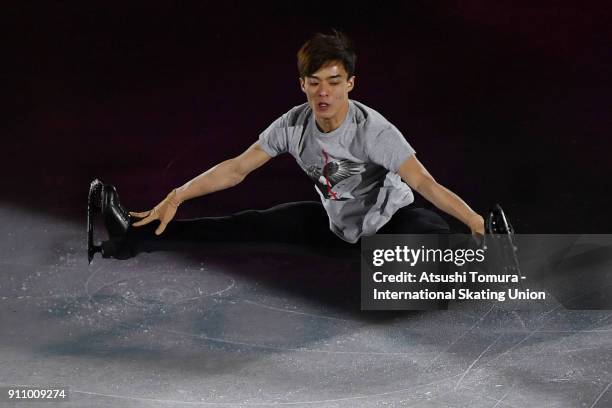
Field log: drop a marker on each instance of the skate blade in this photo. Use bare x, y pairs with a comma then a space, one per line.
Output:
93, 204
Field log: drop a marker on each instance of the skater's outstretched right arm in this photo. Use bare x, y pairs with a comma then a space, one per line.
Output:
224, 175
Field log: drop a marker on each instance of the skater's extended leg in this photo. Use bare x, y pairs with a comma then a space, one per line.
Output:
302, 222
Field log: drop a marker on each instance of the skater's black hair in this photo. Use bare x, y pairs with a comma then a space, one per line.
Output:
323, 49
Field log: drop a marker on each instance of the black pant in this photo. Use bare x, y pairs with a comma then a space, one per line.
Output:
302, 223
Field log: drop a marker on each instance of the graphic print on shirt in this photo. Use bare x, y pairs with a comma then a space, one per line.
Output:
331, 174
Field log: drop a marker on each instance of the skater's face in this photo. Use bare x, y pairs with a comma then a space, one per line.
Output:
327, 91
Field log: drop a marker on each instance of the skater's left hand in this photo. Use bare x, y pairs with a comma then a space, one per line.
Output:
476, 225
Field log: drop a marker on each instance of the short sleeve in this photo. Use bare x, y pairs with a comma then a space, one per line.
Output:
389, 149
274, 140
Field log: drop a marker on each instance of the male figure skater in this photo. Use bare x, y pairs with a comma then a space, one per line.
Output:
363, 169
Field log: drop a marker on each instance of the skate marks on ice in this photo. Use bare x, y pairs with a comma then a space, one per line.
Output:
169, 330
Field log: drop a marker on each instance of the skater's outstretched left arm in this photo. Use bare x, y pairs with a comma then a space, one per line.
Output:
419, 179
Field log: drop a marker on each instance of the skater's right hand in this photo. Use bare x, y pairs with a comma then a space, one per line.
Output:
164, 212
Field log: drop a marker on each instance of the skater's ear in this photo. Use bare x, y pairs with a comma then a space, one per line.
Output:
350, 83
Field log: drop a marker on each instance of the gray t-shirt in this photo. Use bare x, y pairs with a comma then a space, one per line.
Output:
354, 167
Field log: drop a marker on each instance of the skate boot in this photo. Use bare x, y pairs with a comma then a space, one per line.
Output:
499, 240
497, 222
103, 199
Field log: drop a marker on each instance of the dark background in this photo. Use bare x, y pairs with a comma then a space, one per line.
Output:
503, 102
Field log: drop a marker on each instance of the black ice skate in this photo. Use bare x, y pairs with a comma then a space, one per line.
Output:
103, 199
499, 240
